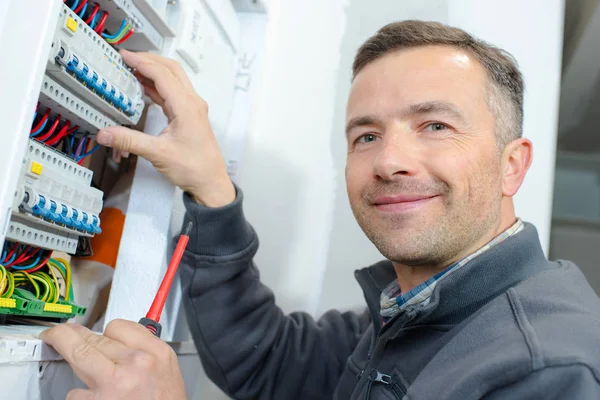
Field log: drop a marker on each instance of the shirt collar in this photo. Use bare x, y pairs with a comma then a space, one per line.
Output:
393, 301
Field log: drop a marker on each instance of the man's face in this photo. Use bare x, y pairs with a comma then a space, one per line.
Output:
423, 168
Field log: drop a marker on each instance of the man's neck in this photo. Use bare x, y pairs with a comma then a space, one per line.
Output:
410, 276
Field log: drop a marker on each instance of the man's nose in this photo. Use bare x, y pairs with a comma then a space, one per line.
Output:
396, 157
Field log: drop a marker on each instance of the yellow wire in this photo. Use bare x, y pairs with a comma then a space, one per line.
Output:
56, 290
11, 285
26, 276
33, 282
3, 283
46, 281
67, 266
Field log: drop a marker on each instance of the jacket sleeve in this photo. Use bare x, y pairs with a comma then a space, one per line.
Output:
574, 381
248, 347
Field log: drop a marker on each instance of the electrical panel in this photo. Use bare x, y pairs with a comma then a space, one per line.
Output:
53, 206
56, 207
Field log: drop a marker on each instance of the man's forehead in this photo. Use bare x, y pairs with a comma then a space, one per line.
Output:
415, 76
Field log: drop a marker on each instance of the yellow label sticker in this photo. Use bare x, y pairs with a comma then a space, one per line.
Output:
36, 168
71, 24
8, 303
58, 308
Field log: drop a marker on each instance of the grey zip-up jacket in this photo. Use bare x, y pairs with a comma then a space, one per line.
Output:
507, 325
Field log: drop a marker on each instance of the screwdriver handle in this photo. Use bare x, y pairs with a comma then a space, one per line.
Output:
153, 326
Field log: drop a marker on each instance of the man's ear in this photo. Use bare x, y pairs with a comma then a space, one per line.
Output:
516, 160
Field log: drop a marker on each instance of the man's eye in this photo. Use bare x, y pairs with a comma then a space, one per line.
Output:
436, 126
366, 138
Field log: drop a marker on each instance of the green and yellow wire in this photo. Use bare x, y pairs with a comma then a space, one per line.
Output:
45, 284
120, 36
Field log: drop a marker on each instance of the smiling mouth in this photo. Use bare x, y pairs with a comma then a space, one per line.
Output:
403, 203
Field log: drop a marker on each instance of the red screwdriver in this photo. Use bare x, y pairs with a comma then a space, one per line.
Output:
153, 315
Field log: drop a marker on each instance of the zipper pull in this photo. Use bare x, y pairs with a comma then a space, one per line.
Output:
376, 376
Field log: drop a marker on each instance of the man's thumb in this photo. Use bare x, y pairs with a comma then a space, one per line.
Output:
127, 140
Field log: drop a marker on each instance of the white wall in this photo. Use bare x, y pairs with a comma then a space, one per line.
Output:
288, 172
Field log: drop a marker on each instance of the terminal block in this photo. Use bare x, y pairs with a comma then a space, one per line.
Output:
54, 202
82, 61
23, 303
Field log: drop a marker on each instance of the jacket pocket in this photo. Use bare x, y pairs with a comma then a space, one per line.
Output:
354, 368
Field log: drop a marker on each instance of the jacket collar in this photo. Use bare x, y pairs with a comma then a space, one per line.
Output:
463, 292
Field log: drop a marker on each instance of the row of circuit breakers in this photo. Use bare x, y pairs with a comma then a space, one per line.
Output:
86, 87
56, 208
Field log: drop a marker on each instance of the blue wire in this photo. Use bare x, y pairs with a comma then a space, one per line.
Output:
107, 36
33, 264
94, 20
82, 12
12, 258
41, 128
88, 153
72, 144
34, 115
74, 5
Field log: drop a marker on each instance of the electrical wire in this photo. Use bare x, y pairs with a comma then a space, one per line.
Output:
92, 15
80, 146
72, 7
94, 21
23, 276
50, 132
121, 31
65, 130
81, 7
89, 153
98, 29
65, 270
127, 36
82, 13
41, 124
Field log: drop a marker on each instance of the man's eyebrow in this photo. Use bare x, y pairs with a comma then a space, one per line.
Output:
430, 107
361, 121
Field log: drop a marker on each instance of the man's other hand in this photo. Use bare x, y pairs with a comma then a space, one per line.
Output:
127, 362
186, 152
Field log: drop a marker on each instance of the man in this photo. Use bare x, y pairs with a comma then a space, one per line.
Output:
467, 306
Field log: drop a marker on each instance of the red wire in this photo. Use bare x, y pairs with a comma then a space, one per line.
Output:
80, 6
51, 131
100, 26
163, 291
22, 257
62, 133
9, 255
44, 118
29, 271
124, 38
93, 14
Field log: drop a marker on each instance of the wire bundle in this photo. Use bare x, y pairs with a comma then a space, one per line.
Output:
41, 278
46, 129
96, 20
